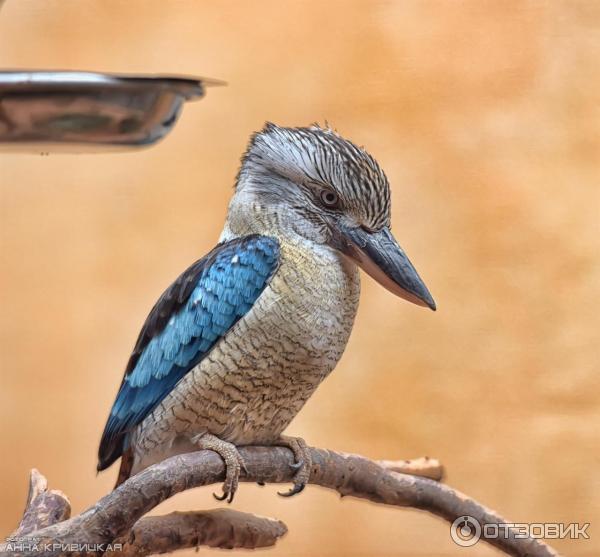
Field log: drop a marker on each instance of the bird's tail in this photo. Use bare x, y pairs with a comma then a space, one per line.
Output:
125, 468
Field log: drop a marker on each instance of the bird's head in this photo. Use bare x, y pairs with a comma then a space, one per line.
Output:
327, 190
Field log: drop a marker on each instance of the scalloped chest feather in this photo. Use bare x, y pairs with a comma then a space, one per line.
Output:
260, 374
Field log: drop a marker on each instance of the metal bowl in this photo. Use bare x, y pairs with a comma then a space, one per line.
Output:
40, 111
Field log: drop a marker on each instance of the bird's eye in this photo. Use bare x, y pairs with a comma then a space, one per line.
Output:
329, 198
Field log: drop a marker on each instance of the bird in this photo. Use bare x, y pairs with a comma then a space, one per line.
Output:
234, 348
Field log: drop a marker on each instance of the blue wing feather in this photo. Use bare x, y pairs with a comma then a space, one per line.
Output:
184, 325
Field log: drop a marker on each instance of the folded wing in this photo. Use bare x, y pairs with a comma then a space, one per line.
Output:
187, 321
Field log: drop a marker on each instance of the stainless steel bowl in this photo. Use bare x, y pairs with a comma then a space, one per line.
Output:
40, 111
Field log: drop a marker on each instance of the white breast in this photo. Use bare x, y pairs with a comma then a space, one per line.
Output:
257, 378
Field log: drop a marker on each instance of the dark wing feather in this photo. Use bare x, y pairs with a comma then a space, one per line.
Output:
183, 326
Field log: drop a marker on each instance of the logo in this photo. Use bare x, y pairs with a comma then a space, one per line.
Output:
465, 531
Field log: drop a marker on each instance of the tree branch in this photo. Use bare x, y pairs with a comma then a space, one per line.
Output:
115, 514
425, 467
222, 528
43, 508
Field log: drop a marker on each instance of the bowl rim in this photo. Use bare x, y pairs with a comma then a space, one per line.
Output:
70, 80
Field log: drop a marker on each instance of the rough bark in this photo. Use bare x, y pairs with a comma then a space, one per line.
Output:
114, 517
43, 507
222, 528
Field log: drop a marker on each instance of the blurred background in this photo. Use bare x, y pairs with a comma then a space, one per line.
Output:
486, 119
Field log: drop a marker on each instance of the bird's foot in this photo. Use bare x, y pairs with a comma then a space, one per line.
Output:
234, 462
302, 464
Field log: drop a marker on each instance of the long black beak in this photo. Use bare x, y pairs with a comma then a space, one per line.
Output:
379, 254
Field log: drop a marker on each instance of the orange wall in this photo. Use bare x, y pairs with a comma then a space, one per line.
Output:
485, 117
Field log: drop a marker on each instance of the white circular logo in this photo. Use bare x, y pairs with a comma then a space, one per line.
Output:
465, 531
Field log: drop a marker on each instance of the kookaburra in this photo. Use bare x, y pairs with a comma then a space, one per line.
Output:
239, 342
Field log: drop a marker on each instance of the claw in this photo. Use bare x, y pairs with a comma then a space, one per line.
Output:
297, 465
298, 488
302, 465
233, 463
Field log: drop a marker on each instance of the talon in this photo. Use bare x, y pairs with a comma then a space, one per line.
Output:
297, 465
220, 497
298, 488
301, 465
233, 463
